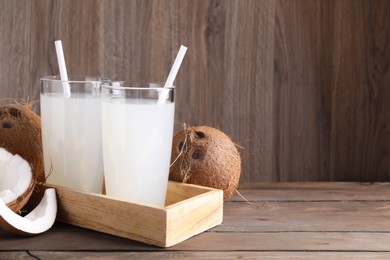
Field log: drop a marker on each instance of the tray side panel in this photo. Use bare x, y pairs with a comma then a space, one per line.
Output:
115, 217
178, 191
193, 217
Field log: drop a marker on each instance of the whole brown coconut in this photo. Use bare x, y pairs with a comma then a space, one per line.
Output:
20, 133
205, 156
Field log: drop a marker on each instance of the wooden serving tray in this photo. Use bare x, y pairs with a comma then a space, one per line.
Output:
189, 210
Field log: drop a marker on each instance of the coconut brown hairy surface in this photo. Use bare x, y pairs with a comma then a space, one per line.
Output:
20, 133
205, 156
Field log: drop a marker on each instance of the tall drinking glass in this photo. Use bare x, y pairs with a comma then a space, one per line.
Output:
137, 127
71, 132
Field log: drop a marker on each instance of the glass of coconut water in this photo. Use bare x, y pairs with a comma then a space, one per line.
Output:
71, 132
137, 129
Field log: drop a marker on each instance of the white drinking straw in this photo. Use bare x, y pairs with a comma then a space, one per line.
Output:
62, 67
173, 73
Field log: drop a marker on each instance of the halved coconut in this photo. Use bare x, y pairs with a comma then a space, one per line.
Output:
20, 133
37, 221
17, 182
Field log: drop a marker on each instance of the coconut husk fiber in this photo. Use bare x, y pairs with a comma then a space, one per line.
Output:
20, 133
205, 156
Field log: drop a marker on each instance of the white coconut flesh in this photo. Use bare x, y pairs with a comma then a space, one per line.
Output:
39, 220
15, 179
15, 176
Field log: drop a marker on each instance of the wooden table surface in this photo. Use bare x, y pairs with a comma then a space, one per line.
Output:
281, 221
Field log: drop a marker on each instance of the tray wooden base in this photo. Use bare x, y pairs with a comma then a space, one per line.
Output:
189, 210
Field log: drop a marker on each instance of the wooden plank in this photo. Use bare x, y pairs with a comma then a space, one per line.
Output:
209, 255
67, 238
140, 39
43, 59
14, 51
248, 92
14, 255
360, 117
302, 136
314, 191
316, 185
81, 20
288, 241
306, 216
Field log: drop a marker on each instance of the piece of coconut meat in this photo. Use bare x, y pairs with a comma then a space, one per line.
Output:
39, 220
16, 187
15, 175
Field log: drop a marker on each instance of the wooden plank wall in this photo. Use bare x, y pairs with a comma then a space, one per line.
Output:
303, 86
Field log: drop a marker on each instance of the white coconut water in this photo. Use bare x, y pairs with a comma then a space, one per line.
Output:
72, 147
137, 141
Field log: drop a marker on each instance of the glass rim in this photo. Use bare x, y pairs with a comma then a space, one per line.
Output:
110, 85
57, 78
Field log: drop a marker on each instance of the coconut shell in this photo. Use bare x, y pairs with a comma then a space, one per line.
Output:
40, 219
20, 133
205, 156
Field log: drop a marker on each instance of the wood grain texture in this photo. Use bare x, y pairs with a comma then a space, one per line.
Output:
205, 255
314, 192
15, 48
344, 227
360, 92
308, 217
189, 210
301, 85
